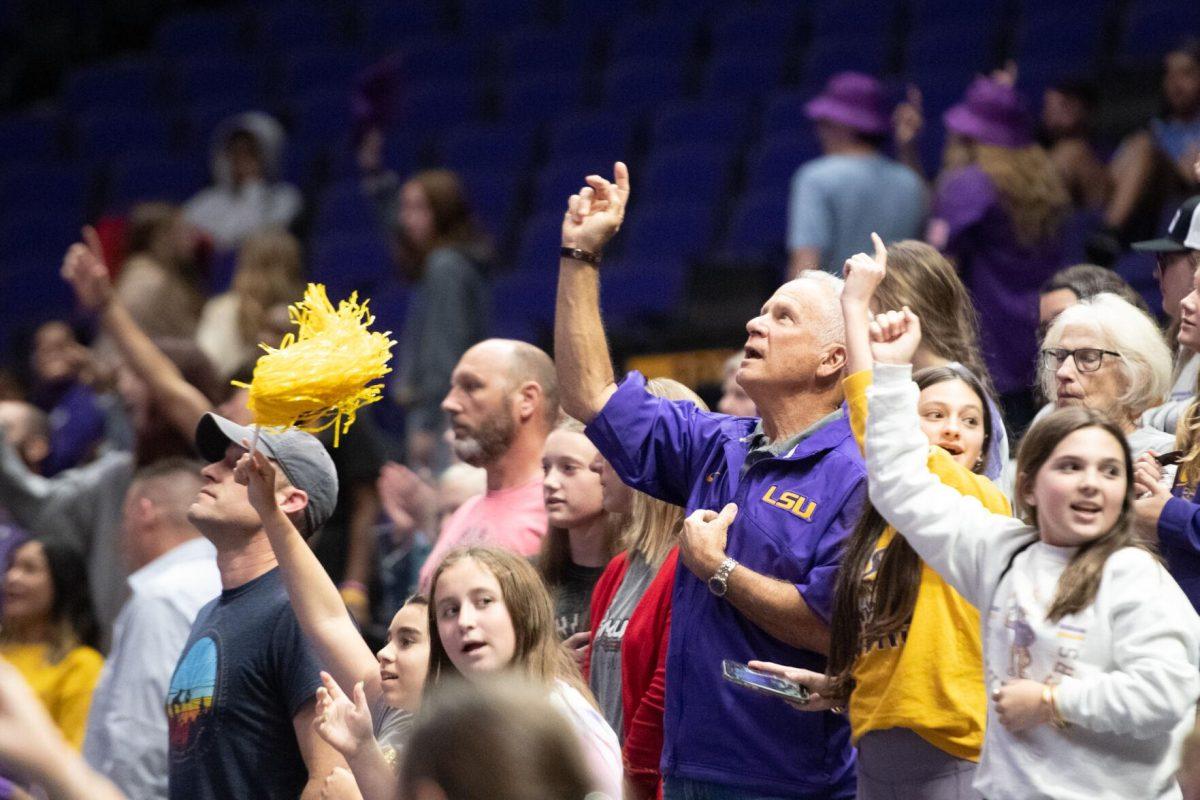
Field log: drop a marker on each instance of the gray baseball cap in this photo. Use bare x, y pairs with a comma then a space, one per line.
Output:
304, 460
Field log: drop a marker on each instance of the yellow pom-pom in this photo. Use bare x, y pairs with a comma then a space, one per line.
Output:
320, 376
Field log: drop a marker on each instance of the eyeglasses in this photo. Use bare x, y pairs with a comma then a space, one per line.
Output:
1087, 359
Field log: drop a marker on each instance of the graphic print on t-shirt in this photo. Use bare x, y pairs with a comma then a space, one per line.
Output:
190, 698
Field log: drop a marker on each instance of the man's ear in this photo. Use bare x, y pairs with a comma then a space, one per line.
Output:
292, 500
145, 511
833, 359
35, 450
528, 400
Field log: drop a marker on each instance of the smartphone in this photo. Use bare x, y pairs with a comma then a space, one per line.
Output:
1168, 459
742, 675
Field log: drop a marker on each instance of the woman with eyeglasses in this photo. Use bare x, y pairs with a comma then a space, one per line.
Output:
1104, 354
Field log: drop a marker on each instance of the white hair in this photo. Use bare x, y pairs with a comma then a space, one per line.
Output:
830, 325
1125, 329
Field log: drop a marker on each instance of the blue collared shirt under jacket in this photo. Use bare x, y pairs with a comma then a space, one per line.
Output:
794, 511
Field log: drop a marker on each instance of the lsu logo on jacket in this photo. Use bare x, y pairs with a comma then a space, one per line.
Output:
797, 504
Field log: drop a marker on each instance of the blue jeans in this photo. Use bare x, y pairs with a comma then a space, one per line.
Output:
688, 789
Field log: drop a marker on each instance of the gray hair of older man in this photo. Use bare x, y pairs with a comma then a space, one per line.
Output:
1120, 327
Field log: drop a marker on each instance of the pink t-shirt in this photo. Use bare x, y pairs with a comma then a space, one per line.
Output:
514, 519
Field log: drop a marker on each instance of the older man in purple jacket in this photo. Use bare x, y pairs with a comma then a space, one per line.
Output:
761, 587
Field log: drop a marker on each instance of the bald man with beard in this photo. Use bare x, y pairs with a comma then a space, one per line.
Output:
502, 404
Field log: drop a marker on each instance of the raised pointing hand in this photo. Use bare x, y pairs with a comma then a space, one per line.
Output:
863, 273
594, 215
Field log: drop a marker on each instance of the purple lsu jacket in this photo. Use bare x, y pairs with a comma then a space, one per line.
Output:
793, 514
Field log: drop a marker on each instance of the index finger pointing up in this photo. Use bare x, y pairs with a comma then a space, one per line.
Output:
621, 174
880, 249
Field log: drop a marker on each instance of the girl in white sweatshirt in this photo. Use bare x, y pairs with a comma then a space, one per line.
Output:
1091, 650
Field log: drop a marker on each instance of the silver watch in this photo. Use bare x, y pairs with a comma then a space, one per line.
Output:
718, 584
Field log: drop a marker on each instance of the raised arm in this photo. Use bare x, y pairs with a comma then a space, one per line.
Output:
317, 604
31, 744
960, 539
585, 373
863, 274
84, 268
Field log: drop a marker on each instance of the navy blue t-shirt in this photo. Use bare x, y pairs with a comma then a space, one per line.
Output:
245, 672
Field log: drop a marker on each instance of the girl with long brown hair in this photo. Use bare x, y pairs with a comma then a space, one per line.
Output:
581, 536
489, 613
1090, 649
905, 653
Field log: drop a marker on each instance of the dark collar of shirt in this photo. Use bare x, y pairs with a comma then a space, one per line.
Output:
762, 448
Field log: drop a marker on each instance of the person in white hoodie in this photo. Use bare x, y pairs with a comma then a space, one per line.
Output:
247, 195
1091, 650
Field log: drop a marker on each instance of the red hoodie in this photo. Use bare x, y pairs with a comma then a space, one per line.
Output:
643, 667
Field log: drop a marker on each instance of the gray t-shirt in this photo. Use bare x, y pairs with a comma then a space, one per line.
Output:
573, 599
605, 677
393, 726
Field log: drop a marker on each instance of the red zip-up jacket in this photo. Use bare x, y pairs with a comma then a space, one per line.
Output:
643, 667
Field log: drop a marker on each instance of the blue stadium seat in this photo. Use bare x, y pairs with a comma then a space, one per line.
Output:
110, 133
305, 71
344, 209
650, 276
662, 37
977, 13
131, 84
743, 75
523, 303
58, 189
539, 51
351, 262
634, 87
951, 51
229, 79
199, 33
439, 106
772, 165
492, 195
1153, 27
756, 29
586, 14
829, 55
138, 177
701, 122
542, 98
597, 136
497, 145
321, 118
30, 136
288, 27
495, 16
694, 173
784, 112
39, 238
437, 58
758, 229
537, 251
386, 23
869, 18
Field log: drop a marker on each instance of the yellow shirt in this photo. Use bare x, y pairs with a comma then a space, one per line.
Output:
929, 678
65, 688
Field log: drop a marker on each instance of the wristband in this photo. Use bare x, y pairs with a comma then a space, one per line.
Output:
575, 254
1050, 698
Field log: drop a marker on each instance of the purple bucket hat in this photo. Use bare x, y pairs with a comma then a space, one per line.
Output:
854, 100
992, 113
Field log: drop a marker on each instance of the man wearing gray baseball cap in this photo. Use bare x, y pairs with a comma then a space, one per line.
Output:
242, 699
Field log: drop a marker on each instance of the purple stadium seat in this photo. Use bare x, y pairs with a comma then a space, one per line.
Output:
636, 86
113, 132
701, 122
138, 177
350, 262
131, 83
542, 98
599, 137
197, 33
772, 165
